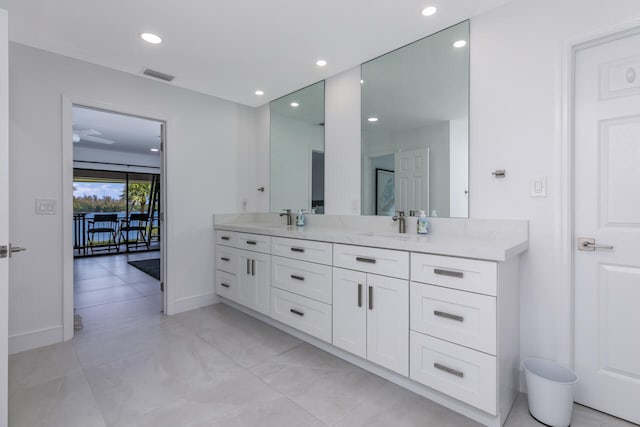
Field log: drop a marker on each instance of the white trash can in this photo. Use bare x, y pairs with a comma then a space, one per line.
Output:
549, 391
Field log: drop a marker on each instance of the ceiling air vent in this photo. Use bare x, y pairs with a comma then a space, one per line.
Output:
158, 75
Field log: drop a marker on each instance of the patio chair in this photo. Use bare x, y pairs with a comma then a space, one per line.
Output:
134, 230
102, 232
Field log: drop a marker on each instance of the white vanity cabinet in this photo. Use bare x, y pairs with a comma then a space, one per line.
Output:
463, 339
371, 311
302, 285
243, 269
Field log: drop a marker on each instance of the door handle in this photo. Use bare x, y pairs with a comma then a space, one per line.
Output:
6, 251
253, 267
589, 244
359, 295
370, 297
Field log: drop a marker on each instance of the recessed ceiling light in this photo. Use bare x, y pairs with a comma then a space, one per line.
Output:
373, 119
151, 38
321, 62
295, 104
259, 92
460, 43
428, 11
155, 150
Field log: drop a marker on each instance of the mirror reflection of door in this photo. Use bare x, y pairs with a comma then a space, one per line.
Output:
412, 180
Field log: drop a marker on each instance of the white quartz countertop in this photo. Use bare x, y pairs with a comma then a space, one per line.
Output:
484, 241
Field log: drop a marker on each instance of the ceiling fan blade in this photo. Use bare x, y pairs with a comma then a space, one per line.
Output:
89, 138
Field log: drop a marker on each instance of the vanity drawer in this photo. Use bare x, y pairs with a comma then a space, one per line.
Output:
385, 262
461, 317
458, 273
254, 242
457, 371
304, 250
305, 314
227, 285
226, 259
302, 278
226, 238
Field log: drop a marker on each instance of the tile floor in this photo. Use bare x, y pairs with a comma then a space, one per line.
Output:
212, 366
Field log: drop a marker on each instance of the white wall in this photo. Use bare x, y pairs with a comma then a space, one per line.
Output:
515, 124
208, 140
342, 143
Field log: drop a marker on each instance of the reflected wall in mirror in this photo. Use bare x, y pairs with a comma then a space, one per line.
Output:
297, 150
415, 122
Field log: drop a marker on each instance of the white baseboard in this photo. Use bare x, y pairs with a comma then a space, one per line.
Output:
193, 302
33, 339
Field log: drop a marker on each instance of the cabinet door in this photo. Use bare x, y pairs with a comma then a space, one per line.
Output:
388, 322
349, 311
254, 280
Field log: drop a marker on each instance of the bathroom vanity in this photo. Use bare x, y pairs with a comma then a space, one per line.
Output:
437, 314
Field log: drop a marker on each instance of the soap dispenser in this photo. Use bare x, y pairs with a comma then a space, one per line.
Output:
300, 218
423, 223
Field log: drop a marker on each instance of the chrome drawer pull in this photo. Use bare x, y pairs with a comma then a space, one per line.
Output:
224, 238
294, 311
448, 315
301, 250
224, 285
367, 260
224, 258
449, 370
251, 242
441, 272
293, 276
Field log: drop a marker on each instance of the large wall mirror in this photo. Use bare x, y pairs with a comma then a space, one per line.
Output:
297, 150
415, 127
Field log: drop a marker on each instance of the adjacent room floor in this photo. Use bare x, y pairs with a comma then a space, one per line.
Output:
212, 366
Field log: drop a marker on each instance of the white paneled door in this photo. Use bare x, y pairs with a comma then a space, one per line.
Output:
412, 180
4, 211
607, 211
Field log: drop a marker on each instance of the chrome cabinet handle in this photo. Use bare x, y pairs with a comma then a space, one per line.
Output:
224, 237
301, 250
248, 266
224, 258
448, 315
294, 311
448, 370
224, 285
370, 297
359, 294
367, 260
253, 267
293, 276
441, 272
252, 242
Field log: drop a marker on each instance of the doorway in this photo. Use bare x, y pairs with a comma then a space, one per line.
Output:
117, 206
606, 267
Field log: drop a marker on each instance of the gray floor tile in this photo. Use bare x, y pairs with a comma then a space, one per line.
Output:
118, 313
97, 283
104, 296
42, 365
61, 402
146, 288
326, 386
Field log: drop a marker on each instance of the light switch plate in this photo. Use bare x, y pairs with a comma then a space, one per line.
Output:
538, 186
46, 207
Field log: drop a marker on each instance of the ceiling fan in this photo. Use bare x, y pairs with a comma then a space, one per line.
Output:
89, 135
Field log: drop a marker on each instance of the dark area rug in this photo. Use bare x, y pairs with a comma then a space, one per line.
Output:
149, 266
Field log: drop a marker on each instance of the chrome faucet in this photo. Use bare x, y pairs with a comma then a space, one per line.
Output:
287, 213
402, 225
